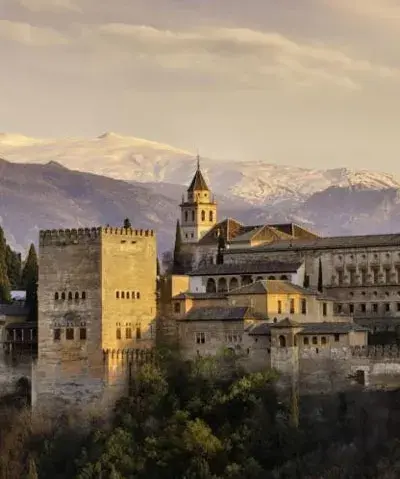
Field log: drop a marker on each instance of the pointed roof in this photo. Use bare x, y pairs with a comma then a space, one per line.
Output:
198, 183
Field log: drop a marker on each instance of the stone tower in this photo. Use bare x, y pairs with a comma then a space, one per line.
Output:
97, 292
198, 210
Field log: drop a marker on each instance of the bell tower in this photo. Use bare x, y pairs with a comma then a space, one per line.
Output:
198, 210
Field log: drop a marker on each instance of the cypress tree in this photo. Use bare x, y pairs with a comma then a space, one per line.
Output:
5, 296
178, 267
158, 267
13, 261
320, 278
29, 282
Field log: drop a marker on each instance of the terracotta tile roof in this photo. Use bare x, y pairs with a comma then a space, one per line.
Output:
286, 323
271, 286
227, 228
190, 295
238, 313
308, 328
267, 267
263, 232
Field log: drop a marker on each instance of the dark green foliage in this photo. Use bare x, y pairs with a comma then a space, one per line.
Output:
29, 282
5, 285
14, 266
127, 224
178, 266
320, 277
158, 267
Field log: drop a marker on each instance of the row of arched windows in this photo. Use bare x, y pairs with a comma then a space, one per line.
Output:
221, 285
203, 216
127, 294
70, 296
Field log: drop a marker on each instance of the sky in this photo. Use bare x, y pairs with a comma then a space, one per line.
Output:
312, 83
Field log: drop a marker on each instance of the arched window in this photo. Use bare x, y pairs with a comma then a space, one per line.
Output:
62, 295
271, 277
70, 295
122, 294
222, 285
211, 216
117, 294
56, 296
127, 295
192, 215
233, 284
211, 287
259, 278
246, 280
284, 277
203, 215
282, 341
186, 216
315, 340
323, 340
138, 295
306, 341
83, 294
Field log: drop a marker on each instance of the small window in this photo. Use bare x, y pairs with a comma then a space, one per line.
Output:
200, 338
122, 294
117, 294
324, 309
186, 217
292, 310
127, 295
339, 308
83, 294
138, 332
203, 216
315, 340
138, 295
374, 307
351, 308
128, 333
118, 335
56, 296
69, 334
82, 334
192, 215
306, 341
323, 340
63, 296
70, 296
363, 307
387, 307
133, 295
303, 306
76, 295
177, 307
211, 216
337, 337
57, 334
398, 306
279, 307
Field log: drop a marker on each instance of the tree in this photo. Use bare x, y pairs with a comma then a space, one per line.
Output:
5, 296
13, 261
178, 266
127, 224
30, 281
320, 277
158, 267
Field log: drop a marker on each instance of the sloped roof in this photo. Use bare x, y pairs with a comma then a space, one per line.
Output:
267, 267
237, 313
286, 323
271, 286
190, 295
198, 183
270, 233
227, 228
264, 329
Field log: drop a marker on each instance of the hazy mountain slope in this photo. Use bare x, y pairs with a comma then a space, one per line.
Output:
129, 158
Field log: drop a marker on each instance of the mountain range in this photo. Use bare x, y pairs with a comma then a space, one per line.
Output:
77, 182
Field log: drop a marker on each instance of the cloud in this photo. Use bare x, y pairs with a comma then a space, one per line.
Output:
29, 35
243, 55
57, 6
386, 10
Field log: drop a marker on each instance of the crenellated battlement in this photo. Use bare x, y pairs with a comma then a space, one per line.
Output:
388, 351
134, 355
57, 236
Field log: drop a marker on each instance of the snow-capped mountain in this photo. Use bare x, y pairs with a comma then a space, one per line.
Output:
134, 159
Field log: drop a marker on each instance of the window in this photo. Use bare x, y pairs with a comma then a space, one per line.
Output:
117, 294
128, 333
352, 276
122, 294
83, 294
303, 306
374, 307
211, 286
375, 272
56, 296
282, 341
337, 337
315, 340
63, 296
351, 308
133, 295
363, 307
70, 296
292, 306
211, 216
340, 277
363, 276
82, 334
177, 307
323, 340
306, 341
200, 338
339, 308
118, 333
57, 334
76, 295
138, 332
192, 215
69, 334
398, 306
186, 217
324, 309
203, 216
127, 295
279, 307
387, 307
138, 295
387, 276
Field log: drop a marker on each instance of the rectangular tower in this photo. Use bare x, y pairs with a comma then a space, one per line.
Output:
97, 291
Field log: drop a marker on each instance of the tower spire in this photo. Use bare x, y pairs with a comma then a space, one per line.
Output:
198, 161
